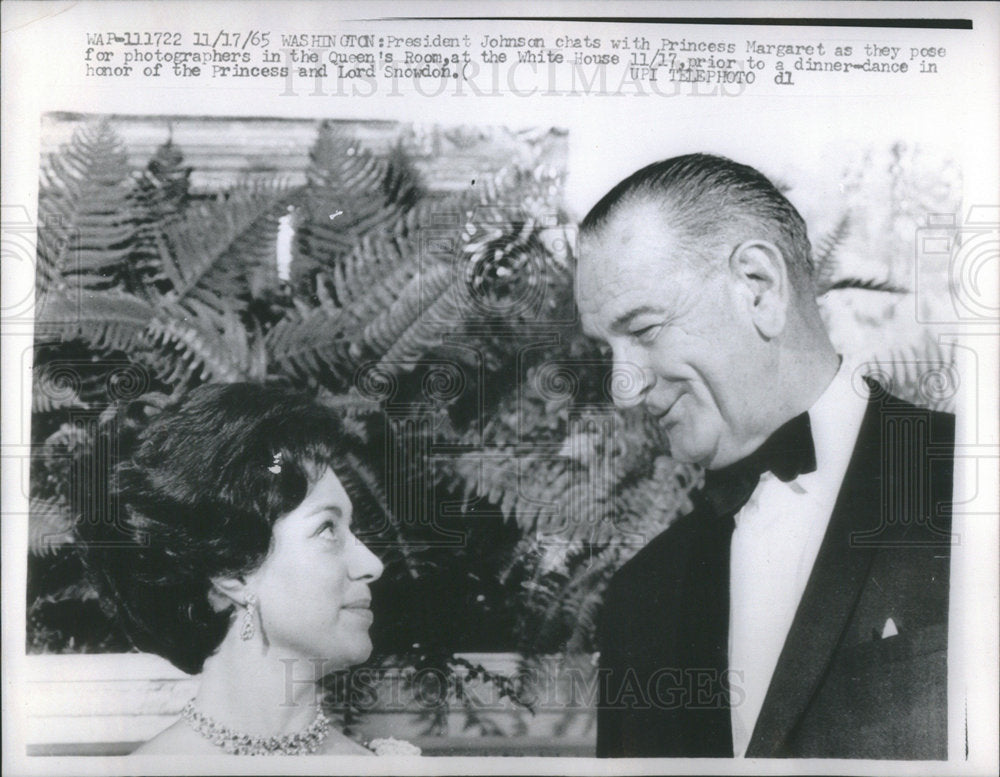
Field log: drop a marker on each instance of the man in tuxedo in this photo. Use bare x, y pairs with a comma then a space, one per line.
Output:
801, 608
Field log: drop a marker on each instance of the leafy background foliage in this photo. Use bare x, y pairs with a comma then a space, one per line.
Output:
504, 490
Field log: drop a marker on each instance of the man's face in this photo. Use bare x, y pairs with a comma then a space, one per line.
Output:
680, 332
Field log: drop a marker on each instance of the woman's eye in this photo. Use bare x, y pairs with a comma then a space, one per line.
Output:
329, 531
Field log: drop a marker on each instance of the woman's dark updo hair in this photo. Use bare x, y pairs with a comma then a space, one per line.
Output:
194, 496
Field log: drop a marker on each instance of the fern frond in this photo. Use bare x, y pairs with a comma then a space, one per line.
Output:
310, 341
825, 253
50, 526
533, 490
163, 187
401, 182
78, 591
219, 246
498, 263
397, 541
353, 407
351, 194
863, 284
421, 292
376, 265
207, 345
925, 374
53, 392
87, 221
337, 159
106, 320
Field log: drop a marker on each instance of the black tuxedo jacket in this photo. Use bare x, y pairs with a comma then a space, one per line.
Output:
839, 689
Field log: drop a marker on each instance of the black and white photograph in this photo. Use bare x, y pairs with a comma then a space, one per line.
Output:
526, 390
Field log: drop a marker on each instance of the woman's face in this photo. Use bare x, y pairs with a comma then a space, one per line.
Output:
312, 588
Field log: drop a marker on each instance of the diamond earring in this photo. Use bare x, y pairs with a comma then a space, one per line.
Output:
247, 630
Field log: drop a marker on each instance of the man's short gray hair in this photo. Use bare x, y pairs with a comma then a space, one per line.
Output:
711, 201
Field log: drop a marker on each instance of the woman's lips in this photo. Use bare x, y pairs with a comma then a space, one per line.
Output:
361, 611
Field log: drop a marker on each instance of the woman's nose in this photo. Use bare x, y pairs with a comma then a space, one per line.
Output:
365, 565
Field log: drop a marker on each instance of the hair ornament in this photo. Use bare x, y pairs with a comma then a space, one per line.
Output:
275, 467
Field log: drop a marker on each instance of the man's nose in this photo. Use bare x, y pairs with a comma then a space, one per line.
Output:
629, 383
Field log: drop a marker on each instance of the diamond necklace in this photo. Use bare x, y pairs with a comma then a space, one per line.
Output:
235, 743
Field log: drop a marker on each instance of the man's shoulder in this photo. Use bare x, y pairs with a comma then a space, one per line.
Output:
910, 436
660, 558
883, 403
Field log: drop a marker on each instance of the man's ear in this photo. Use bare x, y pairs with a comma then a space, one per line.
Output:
759, 266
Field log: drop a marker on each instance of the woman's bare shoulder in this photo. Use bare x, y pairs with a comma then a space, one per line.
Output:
338, 743
180, 739
176, 739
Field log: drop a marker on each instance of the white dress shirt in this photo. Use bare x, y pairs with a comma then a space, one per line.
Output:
778, 534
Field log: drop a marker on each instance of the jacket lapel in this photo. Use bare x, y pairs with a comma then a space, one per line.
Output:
831, 594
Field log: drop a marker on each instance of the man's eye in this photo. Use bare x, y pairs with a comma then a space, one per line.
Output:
645, 334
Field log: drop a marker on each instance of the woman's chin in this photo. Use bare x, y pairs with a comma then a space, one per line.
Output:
346, 658
328, 658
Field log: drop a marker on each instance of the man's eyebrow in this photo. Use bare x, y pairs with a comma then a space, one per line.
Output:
621, 323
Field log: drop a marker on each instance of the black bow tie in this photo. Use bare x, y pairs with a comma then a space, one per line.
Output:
788, 453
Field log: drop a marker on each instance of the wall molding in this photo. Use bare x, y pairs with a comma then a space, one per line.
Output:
106, 704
